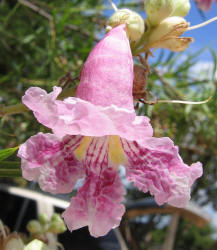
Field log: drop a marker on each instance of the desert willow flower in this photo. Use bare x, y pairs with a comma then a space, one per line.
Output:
96, 132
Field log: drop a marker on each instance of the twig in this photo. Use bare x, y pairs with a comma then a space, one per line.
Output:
13, 109
48, 16
82, 32
44, 14
36, 9
66, 79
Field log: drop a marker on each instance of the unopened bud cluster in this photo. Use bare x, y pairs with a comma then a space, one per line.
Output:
166, 24
167, 34
158, 10
17, 241
42, 225
57, 225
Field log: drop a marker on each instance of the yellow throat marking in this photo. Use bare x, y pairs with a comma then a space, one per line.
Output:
81, 149
116, 153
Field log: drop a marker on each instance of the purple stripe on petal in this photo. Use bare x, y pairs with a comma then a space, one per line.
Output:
51, 162
97, 204
156, 166
97, 154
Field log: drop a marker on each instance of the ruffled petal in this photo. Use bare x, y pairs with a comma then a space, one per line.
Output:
156, 166
97, 204
35, 151
51, 162
74, 116
42, 104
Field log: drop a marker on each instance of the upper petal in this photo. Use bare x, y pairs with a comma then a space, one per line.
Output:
107, 76
74, 116
156, 166
42, 104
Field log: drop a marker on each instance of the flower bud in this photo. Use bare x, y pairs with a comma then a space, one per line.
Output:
33, 226
13, 242
43, 219
57, 224
56, 217
134, 23
158, 10
57, 227
181, 8
167, 35
36, 245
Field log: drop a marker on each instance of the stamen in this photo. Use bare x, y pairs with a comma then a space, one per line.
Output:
202, 24
185, 102
113, 5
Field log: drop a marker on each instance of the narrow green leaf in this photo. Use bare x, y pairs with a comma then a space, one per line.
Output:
214, 62
170, 57
183, 67
5, 153
161, 55
10, 173
9, 165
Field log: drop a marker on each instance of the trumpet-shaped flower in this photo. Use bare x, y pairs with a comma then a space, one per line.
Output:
94, 133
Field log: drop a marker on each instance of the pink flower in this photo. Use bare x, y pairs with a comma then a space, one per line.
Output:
204, 4
94, 133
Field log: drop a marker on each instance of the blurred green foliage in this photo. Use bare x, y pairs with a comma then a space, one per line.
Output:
188, 236
151, 235
40, 41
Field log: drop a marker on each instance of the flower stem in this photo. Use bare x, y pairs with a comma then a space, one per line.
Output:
184, 102
202, 24
142, 42
10, 172
138, 44
13, 109
113, 5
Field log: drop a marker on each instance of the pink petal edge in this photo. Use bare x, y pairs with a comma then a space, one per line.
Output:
74, 116
51, 162
156, 166
97, 204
